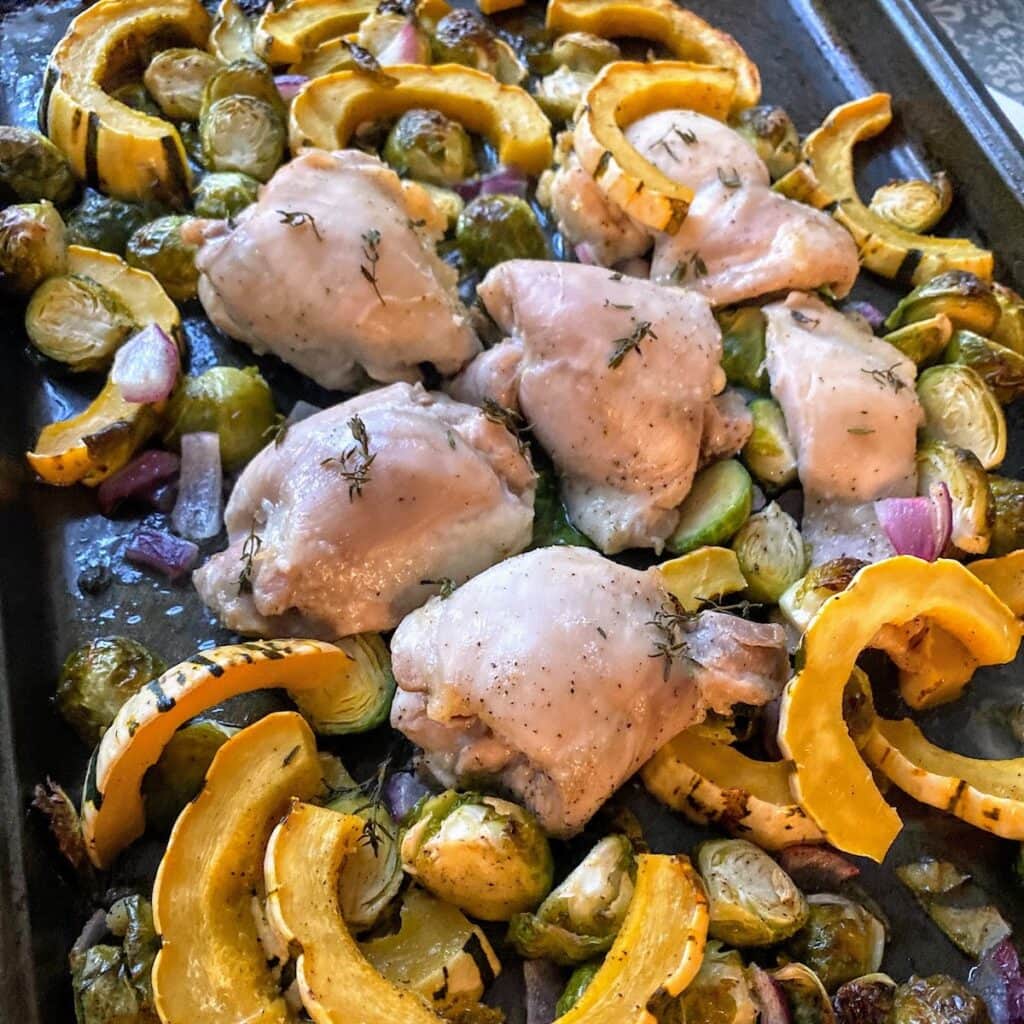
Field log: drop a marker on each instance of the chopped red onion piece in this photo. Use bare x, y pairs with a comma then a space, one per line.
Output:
289, 86
405, 47
871, 314
774, 1009
585, 254
140, 479
508, 181
402, 792
197, 512
997, 979
162, 551
816, 867
146, 366
544, 984
917, 526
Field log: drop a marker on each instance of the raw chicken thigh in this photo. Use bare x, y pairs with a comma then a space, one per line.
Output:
329, 271
614, 377
354, 517
544, 674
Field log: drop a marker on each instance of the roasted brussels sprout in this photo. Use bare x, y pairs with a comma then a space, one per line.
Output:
103, 223
581, 51
805, 995
801, 601
487, 856
32, 168
243, 78
752, 901
224, 194
578, 983
235, 404
999, 367
913, 204
159, 248
923, 341
718, 504
32, 246
968, 486
77, 322
960, 410
176, 80
1008, 509
427, 146
1009, 330
962, 296
493, 229
937, 1000
721, 991
771, 553
580, 918
448, 203
840, 940
242, 133
772, 133
464, 37
768, 453
866, 1000
743, 348
136, 96
551, 525
98, 677
560, 93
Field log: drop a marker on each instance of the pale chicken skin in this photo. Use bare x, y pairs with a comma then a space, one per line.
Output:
330, 537
614, 376
545, 675
334, 271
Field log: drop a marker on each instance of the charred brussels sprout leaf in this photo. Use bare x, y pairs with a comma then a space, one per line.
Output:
958, 294
914, 204
1009, 329
103, 223
32, 246
578, 983
771, 131
771, 553
242, 133
721, 991
32, 168
1008, 508
159, 248
937, 999
176, 80
224, 194
493, 229
427, 146
98, 677
999, 367
866, 1000
743, 347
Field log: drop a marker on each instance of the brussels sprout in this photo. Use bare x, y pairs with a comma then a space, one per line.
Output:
493, 229
937, 1000
560, 93
98, 677
32, 246
968, 486
193, 143
772, 133
243, 78
579, 919
924, 340
159, 248
800, 603
448, 203
578, 983
103, 223
464, 37
427, 146
866, 1000
913, 204
176, 80
769, 453
962, 296
242, 133
752, 901
77, 322
551, 525
1009, 331
236, 404
1008, 509
33, 168
721, 991
999, 367
805, 995
840, 941
581, 51
717, 506
136, 96
771, 553
960, 410
487, 856
224, 194
743, 348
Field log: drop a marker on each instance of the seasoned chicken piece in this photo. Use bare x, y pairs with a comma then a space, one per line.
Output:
839, 529
494, 375
743, 242
342, 526
728, 424
329, 271
614, 379
557, 674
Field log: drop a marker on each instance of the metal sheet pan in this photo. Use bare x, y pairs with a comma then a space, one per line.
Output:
812, 55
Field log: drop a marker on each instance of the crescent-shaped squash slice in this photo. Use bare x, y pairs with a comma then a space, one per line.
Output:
285, 35
624, 92
986, 794
113, 811
713, 783
1004, 576
326, 113
115, 148
681, 32
496, 6
831, 781
211, 965
826, 180
702, 575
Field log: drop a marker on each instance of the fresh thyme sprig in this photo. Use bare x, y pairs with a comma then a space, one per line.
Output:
374, 830
296, 218
250, 549
623, 346
355, 461
730, 178
511, 420
278, 430
672, 622
371, 253
446, 583
693, 264
887, 378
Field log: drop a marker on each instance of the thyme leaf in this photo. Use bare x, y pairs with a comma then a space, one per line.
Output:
672, 622
730, 179
687, 135
371, 253
355, 461
296, 218
446, 583
693, 264
277, 431
810, 322
860, 431
887, 378
623, 346
250, 549
511, 420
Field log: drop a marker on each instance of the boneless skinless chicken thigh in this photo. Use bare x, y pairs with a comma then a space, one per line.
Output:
547, 675
318, 547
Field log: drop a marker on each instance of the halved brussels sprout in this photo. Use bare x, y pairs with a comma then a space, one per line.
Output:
33, 168
487, 856
578, 983
752, 901
99, 222
913, 204
581, 51
721, 991
465, 37
98, 677
580, 918
923, 341
1008, 509
771, 553
493, 229
743, 349
1009, 331
224, 194
136, 96
805, 995
866, 1000
77, 322
968, 486
999, 367
717, 506
937, 999
771, 131
159, 248
769, 453
236, 404
960, 409
243, 78
176, 80
840, 941
560, 93
427, 146
962, 296
242, 133
800, 603
32, 246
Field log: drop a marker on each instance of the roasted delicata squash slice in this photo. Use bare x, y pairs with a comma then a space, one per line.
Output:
986, 794
231, 37
326, 113
713, 783
113, 812
624, 92
826, 180
115, 148
496, 6
702, 575
212, 965
1004, 576
287, 34
831, 782
681, 32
